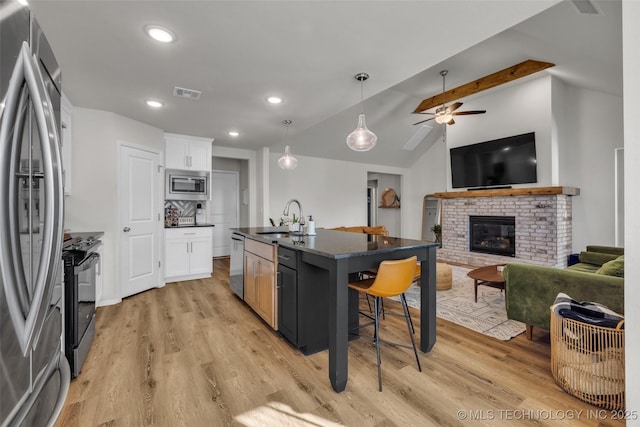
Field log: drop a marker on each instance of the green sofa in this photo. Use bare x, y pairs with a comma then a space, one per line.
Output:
532, 289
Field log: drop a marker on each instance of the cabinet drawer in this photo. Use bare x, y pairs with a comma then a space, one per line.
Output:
263, 250
187, 232
287, 257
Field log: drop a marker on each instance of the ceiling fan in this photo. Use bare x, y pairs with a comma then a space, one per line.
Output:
444, 114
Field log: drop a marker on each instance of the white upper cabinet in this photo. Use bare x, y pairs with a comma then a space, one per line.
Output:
66, 110
187, 152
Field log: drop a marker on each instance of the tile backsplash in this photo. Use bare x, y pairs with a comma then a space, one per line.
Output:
174, 209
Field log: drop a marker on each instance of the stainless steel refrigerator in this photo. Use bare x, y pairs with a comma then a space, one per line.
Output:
34, 374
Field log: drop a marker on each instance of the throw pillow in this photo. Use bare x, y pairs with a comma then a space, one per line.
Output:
596, 258
613, 268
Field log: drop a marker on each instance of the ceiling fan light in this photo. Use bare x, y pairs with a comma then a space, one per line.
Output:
361, 139
287, 161
443, 115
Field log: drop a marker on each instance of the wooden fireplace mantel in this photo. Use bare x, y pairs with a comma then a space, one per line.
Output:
529, 191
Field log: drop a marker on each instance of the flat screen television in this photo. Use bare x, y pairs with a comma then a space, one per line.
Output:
500, 162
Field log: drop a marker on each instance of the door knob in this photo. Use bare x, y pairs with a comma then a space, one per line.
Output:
126, 229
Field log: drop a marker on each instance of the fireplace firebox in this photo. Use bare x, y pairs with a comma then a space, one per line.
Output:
493, 235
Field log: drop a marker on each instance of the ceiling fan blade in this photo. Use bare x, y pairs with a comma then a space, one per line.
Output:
468, 113
423, 112
454, 106
430, 118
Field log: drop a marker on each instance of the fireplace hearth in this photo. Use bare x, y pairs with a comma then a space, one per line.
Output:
493, 235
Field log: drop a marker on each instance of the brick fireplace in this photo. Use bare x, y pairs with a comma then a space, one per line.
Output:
542, 225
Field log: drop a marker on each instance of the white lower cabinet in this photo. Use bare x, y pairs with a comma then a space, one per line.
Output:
187, 253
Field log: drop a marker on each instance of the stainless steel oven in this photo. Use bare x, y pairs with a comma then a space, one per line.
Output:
186, 185
81, 264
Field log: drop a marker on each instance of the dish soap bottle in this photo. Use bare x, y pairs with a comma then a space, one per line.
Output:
311, 227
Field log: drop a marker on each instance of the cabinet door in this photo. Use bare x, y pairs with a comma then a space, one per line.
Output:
176, 152
200, 258
176, 260
200, 155
250, 271
288, 303
266, 303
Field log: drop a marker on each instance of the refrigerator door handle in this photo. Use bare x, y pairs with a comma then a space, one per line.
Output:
61, 365
28, 323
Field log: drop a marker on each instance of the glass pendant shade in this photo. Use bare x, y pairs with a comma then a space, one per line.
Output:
361, 139
287, 161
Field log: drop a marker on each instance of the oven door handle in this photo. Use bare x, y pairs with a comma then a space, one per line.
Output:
87, 263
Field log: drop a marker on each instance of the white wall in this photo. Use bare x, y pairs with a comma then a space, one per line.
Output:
593, 129
92, 204
631, 71
333, 192
427, 176
511, 110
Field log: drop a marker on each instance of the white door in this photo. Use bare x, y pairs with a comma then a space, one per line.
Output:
224, 209
139, 219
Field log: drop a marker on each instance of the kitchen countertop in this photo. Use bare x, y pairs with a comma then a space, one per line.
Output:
84, 235
191, 226
332, 243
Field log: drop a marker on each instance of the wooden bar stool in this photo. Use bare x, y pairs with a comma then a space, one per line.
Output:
393, 278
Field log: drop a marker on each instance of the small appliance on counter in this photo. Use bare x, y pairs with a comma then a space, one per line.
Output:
201, 214
311, 227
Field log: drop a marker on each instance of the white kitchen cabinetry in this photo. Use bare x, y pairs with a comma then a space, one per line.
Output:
187, 152
187, 253
66, 110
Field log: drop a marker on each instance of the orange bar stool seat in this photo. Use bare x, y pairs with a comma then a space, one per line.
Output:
393, 278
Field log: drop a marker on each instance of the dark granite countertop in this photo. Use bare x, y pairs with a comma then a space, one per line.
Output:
192, 225
332, 243
84, 235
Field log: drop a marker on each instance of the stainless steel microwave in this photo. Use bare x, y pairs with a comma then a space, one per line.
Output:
186, 185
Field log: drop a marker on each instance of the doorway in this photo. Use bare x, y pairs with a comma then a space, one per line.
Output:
224, 213
139, 207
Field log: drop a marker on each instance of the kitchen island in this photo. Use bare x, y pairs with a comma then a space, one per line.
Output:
337, 254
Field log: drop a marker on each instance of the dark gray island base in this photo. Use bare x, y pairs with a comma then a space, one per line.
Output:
324, 261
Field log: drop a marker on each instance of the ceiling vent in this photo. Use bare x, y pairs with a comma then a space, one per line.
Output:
586, 7
186, 93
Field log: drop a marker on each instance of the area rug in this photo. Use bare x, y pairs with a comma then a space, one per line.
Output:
488, 316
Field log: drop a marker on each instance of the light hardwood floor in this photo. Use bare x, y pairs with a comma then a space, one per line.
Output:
192, 354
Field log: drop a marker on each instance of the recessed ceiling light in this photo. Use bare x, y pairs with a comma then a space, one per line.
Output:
233, 133
274, 99
160, 34
23, 2
154, 104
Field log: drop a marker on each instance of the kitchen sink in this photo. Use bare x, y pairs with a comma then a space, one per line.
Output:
275, 234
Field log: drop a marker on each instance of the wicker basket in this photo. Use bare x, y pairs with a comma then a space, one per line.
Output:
587, 361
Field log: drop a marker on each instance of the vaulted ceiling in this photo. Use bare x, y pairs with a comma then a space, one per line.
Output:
239, 52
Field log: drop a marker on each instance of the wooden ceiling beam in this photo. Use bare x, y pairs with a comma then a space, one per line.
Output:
514, 72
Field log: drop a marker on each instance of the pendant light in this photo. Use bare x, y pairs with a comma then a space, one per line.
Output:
361, 139
287, 161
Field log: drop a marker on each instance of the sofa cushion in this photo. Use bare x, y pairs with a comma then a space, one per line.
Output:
584, 267
613, 268
606, 249
596, 258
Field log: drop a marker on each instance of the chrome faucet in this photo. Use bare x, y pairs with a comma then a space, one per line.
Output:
286, 210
